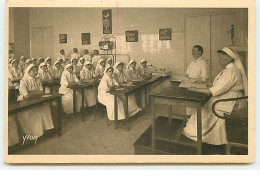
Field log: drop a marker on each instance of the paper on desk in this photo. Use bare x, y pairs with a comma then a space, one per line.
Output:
187, 84
46, 95
119, 89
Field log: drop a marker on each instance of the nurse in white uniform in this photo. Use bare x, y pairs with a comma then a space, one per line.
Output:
120, 77
35, 120
132, 73
87, 75
68, 77
106, 84
230, 83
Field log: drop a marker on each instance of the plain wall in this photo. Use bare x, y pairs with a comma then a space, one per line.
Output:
148, 21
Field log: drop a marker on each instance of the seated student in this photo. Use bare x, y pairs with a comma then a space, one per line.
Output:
34, 61
44, 75
14, 74
21, 64
99, 72
43, 72
48, 61
75, 54
87, 75
57, 70
86, 55
132, 73
228, 84
35, 120
198, 69
41, 59
106, 84
120, 77
76, 68
81, 63
9, 62
68, 78
63, 56
28, 62
109, 62
143, 70
96, 58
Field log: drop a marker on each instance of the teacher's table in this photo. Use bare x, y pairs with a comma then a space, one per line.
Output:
170, 94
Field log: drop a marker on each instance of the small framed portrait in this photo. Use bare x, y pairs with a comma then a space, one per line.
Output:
165, 34
63, 38
85, 38
131, 36
11, 48
107, 21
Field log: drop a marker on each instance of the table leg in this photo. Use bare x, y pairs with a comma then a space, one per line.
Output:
153, 119
74, 101
199, 132
59, 116
170, 115
126, 112
43, 86
145, 96
82, 103
115, 110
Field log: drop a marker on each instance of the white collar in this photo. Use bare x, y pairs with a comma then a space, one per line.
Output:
230, 65
198, 59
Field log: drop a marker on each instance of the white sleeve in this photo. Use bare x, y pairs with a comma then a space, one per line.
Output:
204, 71
224, 83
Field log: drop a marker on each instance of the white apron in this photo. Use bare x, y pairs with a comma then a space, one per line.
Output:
228, 84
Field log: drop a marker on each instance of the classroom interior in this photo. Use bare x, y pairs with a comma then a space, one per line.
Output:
36, 32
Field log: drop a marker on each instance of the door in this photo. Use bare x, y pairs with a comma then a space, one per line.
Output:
42, 42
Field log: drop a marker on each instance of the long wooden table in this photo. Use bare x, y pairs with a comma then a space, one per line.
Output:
170, 94
81, 87
18, 106
129, 90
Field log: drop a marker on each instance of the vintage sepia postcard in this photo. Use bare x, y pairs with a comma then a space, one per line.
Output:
130, 82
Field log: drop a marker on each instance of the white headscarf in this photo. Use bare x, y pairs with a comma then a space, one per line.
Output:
99, 65
28, 68
12, 61
128, 65
54, 65
116, 64
141, 61
73, 59
86, 63
109, 59
238, 64
48, 58
67, 66
28, 60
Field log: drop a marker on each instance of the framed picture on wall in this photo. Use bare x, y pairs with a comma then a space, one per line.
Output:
85, 38
131, 36
63, 38
165, 34
107, 21
11, 48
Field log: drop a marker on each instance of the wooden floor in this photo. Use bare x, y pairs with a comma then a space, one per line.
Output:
91, 137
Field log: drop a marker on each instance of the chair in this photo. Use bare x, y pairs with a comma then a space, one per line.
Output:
104, 111
236, 125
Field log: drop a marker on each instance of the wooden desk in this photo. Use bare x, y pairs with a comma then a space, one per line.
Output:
81, 87
15, 107
129, 90
50, 83
170, 94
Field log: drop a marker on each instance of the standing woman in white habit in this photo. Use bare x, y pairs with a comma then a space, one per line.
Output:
106, 84
120, 77
67, 78
230, 83
35, 120
87, 75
